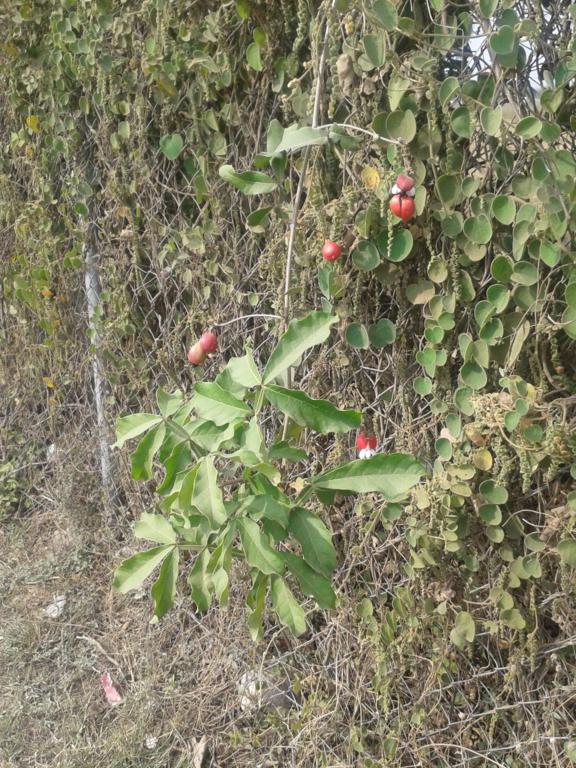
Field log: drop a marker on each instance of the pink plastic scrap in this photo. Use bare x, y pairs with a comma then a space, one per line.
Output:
112, 695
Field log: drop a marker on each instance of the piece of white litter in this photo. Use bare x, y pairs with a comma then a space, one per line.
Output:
151, 742
55, 608
112, 696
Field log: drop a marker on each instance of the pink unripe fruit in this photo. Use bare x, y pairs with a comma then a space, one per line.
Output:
404, 183
208, 342
196, 354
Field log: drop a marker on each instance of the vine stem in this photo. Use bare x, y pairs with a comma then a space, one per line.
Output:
299, 191
305, 159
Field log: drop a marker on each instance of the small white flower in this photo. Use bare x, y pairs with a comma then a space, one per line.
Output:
411, 192
366, 453
151, 741
395, 190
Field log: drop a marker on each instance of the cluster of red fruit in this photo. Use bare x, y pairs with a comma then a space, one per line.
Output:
206, 345
402, 201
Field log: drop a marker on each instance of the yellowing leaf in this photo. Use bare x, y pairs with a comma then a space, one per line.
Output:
33, 123
370, 177
483, 459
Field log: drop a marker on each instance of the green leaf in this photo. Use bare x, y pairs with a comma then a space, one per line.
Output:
473, 375
129, 427
401, 125
501, 268
319, 415
135, 569
448, 189
464, 630
284, 450
528, 127
169, 403
490, 514
422, 386
494, 493
402, 243
512, 618
478, 229
199, 581
300, 336
524, 273
448, 89
382, 333
206, 494
462, 400
357, 336
375, 47
365, 256
267, 507
248, 182
239, 375
154, 528
567, 551
420, 292
315, 540
171, 146
504, 210
287, 608
392, 475
259, 554
215, 404
460, 121
164, 588
253, 57
311, 583
491, 120
295, 137
384, 13
503, 40
142, 457
397, 87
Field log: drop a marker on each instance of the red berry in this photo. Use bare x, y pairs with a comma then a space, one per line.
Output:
330, 250
402, 206
404, 183
208, 342
361, 441
372, 443
196, 354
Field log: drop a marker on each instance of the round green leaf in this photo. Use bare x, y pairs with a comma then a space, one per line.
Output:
491, 119
524, 273
462, 401
501, 268
365, 256
357, 336
569, 322
511, 421
444, 449
171, 145
490, 514
448, 189
498, 296
567, 551
533, 433
434, 334
420, 292
402, 242
502, 41
528, 127
494, 493
504, 209
401, 125
437, 271
422, 385
460, 121
478, 229
495, 534
473, 375
492, 330
452, 224
382, 333
448, 89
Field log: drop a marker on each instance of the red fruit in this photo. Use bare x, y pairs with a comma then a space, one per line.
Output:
361, 441
402, 206
372, 443
330, 250
208, 342
196, 354
404, 183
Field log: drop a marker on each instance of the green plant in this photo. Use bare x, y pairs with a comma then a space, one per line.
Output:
224, 494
